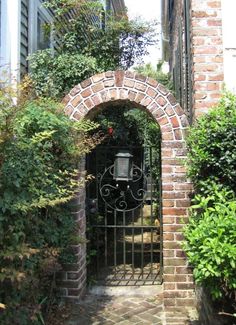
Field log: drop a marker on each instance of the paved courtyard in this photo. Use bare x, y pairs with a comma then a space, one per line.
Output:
126, 310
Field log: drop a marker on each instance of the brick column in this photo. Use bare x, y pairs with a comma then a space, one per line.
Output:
72, 280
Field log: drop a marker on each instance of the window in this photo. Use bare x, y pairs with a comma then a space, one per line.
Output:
40, 22
43, 32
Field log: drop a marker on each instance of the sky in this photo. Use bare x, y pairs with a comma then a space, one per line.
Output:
149, 10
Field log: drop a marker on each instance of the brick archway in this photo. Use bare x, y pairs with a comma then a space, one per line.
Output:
146, 93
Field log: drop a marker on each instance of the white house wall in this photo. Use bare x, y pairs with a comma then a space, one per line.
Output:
10, 39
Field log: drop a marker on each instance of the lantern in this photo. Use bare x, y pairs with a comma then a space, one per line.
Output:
123, 167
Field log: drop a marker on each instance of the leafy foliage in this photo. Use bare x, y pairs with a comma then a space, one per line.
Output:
91, 42
55, 76
210, 236
157, 74
212, 145
210, 239
39, 152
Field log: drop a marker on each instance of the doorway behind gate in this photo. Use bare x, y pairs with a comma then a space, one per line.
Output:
124, 223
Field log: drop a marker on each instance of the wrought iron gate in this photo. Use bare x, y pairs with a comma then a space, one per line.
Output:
124, 216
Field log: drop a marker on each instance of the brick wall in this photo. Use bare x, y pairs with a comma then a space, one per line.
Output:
93, 95
207, 51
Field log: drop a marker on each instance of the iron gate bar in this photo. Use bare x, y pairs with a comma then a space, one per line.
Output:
106, 262
115, 262
133, 242
124, 246
126, 227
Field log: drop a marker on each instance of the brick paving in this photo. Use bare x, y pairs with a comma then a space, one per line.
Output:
126, 310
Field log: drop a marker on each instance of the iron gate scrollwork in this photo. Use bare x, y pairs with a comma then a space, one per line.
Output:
123, 196
125, 228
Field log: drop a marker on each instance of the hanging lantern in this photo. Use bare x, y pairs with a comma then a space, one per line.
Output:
123, 167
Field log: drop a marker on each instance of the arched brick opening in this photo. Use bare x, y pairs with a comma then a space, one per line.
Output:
95, 93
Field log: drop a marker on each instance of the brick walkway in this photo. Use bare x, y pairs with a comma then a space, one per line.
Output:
100, 310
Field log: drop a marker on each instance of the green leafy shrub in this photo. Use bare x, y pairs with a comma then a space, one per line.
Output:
56, 75
39, 152
156, 73
212, 145
210, 236
210, 239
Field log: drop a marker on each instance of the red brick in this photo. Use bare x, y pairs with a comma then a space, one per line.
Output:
119, 78
162, 120
86, 93
214, 4
109, 83
168, 136
174, 121
169, 286
167, 187
109, 74
183, 203
130, 74
98, 87
146, 101
132, 95
169, 270
139, 97
158, 113
175, 278
140, 86
169, 220
86, 83
161, 101
151, 92
168, 253
178, 134
140, 77
96, 100
203, 14
169, 302
89, 103
152, 82
69, 110
162, 89
123, 93
214, 22
75, 90
174, 211
113, 94
168, 237
129, 83
77, 116
169, 110
98, 77
216, 77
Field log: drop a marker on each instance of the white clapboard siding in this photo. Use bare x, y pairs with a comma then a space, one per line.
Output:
24, 36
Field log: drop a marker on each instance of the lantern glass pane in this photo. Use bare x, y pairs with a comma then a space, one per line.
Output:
123, 168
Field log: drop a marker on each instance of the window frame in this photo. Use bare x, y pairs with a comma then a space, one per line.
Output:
36, 7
